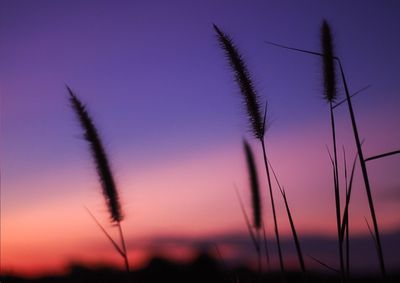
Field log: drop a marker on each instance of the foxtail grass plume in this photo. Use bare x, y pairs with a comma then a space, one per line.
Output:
254, 186
245, 83
99, 157
328, 58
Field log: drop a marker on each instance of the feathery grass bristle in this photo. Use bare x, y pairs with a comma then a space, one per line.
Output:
99, 157
328, 58
243, 79
254, 186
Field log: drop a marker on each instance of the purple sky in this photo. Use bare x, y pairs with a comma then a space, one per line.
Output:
162, 94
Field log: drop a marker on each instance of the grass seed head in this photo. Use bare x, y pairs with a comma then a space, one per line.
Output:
244, 81
328, 67
100, 158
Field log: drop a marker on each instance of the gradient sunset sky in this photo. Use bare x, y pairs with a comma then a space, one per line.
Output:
163, 97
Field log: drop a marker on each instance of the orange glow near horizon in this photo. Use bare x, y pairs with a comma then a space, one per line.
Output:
44, 236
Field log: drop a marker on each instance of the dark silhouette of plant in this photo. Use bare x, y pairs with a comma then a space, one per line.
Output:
248, 223
255, 196
254, 186
103, 169
330, 95
251, 101
359, 152
292, 226
382, 155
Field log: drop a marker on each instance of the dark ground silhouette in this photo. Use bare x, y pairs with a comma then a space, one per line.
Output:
202, 269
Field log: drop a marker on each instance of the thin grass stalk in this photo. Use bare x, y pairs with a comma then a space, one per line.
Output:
264, 128
324, 264
337, 194
282, 267
254, 237
360, 155
221, 258
123, 244
292, 226
259, 261
223, 264
364, 173
248, 224
266, 247
370, 231
354, 94
348, 197
382, 155
115, 245
295, 237
1, 224
347, 240
347, 245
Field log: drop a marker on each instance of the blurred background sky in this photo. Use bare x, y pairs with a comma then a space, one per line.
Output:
163, 97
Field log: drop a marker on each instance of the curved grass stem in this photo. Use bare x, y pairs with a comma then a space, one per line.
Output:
282, 267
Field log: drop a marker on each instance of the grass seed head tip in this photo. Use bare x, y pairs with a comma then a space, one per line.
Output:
328, 67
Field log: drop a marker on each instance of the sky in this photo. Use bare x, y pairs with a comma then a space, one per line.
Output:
163, 97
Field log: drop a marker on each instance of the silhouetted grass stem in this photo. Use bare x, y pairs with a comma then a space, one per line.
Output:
359, 150
292, 226
124, 249
273, 207
337, 194
364, 173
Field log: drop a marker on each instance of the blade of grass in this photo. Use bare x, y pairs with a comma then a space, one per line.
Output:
115, 245
273, 209
351, 96
224, 265
364, 173
349, 187
266, 246
292, 226
246, 218
370, 231
295, 237
347, 240
293, 48
346, 208
324, 264
121, 236
382, 155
